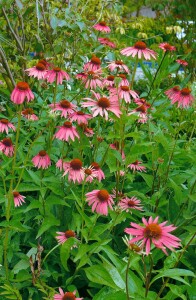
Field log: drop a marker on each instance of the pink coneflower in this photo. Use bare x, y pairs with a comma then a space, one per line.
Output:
67, 132
7, 147
93, 79
90, 174
142, 101
28, 113
39, 71
155, 233
5, 125
86, 130
119, 65
56, 74
109, 81
66, 296
128, 204
139, 50
100, 200
182, 62
93, 65
184, 98
80, 117
136, 166
102, 105
116, 146
167, 47
21, 92
124, 92
62, 165
99, 173
173, 93
141, 111
107, 42
62, 237
101, 26
124, 80
74, 168
18, 199
41, 160
64, 106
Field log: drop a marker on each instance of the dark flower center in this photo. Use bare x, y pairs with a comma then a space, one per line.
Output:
69, 233
65, 104
88, 171
185, 91
95, 165
140, 45
95, 60
134, 247
152, 231
57, 69
123, 76
42, 153
103, 102
136, 163
4, 121
23, 86
124, 88
176, 88
69, 296
7, 142
103, 195
76, 164
141, 108
110, 78
43, 62
131, 203
40, 67
102, 23
80, 113
28, 111
16, 194
67, 124
119, 62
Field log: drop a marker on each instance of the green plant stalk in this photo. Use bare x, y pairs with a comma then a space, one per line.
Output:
175, 265
55, 247
10, 194
148, 276
127, 277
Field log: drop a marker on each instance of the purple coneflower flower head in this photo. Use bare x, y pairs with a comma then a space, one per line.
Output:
66, 296
154, 233
86, 130
41, 160
102, 105
56, 74
141, 111
21, 92
75, 171
109, 81
99, 173
93, 65
166, 47
119, 65
128, 204
136, 166
182, 62
39, 71
183, 98
62, 165
28, 113
107, 42
124, 81
140, 50
7, 147
100, 200
66, 132
18, 199
64, 106
5, 125
80, 117
101, 26
173, 93
62, 237
90, 174
124, 92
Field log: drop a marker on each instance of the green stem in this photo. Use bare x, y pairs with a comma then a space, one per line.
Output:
127, 277
134, 72
50, 252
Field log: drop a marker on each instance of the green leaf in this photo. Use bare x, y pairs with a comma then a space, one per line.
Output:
109, 294
174, 273
65, 251
47, 223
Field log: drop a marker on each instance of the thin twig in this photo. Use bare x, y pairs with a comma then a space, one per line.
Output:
6, 66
